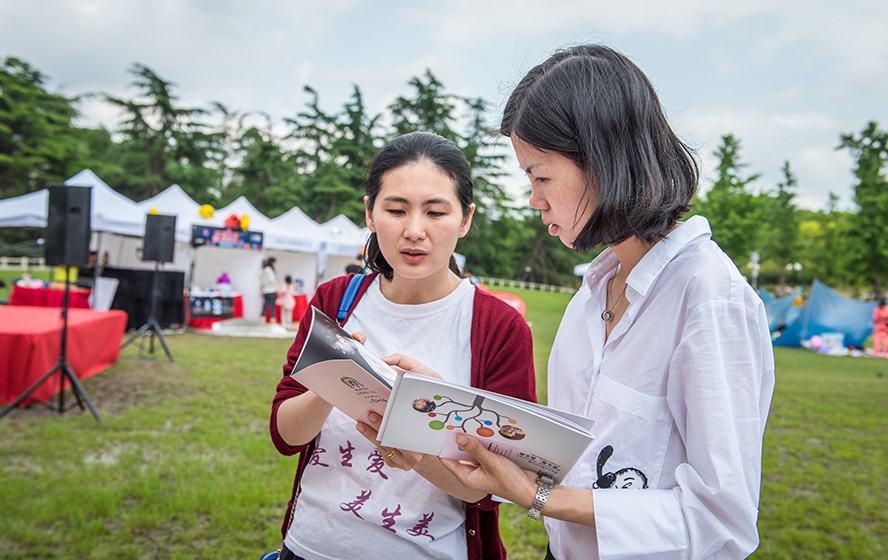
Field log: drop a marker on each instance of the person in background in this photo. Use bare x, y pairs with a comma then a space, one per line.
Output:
356, 266
286, 298
880, 330
270, 288
352, 498
665, 345
468, 274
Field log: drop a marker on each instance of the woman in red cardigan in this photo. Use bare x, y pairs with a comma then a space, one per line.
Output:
349, 497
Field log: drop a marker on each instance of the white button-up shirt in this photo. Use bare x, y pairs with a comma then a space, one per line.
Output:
680, 394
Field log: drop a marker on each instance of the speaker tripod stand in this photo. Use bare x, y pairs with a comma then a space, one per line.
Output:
151, 328
62, 367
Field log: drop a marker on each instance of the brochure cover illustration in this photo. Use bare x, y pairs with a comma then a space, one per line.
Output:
340, 370
425, 414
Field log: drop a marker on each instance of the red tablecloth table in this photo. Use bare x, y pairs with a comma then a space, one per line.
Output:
30, 340
237, 307
78, 298
298, 311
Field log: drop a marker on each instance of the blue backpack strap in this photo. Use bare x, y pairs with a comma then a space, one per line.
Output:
350, 292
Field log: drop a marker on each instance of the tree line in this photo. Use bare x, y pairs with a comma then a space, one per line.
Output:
316, 160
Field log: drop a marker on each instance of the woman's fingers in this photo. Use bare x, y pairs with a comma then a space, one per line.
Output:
360, 336
410, 364
493, 473
396, 458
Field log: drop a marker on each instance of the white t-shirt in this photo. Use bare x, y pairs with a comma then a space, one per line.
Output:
267, 280
351, 504
680, 394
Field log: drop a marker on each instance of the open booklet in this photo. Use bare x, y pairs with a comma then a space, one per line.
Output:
341, 370
425, 414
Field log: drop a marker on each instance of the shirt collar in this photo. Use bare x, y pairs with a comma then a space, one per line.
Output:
649, 267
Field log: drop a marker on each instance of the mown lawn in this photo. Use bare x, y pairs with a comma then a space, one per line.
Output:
183, 468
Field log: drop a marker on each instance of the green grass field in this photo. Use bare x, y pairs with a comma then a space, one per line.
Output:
183, 467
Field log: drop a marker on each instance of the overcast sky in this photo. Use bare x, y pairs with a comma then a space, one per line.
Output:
786, 77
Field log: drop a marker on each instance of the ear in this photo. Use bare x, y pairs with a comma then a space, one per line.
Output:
368, 216
467, 221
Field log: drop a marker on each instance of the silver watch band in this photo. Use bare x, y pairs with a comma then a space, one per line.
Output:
545, 484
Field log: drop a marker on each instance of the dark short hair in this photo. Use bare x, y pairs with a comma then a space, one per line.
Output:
413, 148
594, 106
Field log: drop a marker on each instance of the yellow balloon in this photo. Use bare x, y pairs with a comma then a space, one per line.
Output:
206, 211
245, 221
153, 211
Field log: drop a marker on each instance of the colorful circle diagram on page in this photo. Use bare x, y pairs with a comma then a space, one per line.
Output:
448, 414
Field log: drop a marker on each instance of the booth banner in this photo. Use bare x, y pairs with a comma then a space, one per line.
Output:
211, 306
211, 236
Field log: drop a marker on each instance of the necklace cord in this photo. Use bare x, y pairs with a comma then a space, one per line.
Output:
608, 314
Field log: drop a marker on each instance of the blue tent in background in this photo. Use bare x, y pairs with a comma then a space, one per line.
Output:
778, 309
825, 311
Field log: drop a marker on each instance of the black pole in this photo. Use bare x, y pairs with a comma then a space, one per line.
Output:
63, 345
151, 326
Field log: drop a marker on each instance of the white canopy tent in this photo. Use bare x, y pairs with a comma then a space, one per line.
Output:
124, 250
28, 210
296, 251
173, 201
301, 246
110, 210
346, 242
114, 219
296, 222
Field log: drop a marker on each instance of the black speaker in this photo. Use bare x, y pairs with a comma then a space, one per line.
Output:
160, 238
66, 237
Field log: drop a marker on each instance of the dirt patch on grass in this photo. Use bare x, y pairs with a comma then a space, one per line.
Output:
134, 382
130, 382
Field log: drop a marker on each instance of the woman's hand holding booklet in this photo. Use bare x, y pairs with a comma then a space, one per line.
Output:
423, 413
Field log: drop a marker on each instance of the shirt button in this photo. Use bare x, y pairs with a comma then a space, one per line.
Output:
472, 532
630, 291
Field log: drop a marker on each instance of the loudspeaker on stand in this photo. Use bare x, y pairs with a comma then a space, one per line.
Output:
160, 238
66, 236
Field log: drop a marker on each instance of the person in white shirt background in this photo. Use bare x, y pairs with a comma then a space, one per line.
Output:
665, 345
270, 288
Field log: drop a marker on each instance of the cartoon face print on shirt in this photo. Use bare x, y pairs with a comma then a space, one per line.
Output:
625, 478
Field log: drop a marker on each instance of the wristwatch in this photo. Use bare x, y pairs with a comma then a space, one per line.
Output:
546, 483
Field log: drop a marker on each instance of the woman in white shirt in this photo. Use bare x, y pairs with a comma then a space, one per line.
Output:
665, 345
268, 284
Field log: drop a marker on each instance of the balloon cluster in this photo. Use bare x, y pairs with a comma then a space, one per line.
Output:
231, 222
